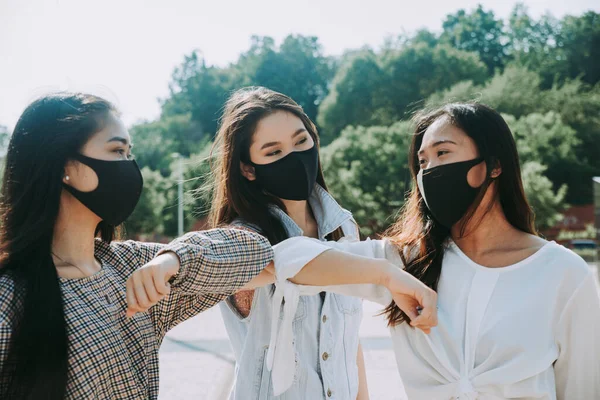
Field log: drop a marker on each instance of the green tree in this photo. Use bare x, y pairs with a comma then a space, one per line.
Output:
200, 91
515, 91
146, 219
558, 50
155, 142
579, 40
196, 196
372, 90
297, 68
547, 203
579, 107
546, 139
355, 97
415, 72
478, 31
366, 169
4, 139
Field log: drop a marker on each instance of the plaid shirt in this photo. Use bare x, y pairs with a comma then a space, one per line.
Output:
113, 357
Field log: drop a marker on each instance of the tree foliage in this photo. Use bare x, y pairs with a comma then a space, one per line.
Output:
541, 73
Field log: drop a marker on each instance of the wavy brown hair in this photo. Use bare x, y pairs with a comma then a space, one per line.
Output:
419, 238
234, 196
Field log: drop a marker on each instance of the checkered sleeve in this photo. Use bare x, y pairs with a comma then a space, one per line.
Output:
5, 335
8, 309
218, 261
214, 264
132, 254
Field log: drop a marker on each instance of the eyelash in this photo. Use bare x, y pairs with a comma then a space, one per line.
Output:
274, 153
122, 152
439, 154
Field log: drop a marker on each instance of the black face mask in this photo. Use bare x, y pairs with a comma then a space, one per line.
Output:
446, 191
291, 178
119, 188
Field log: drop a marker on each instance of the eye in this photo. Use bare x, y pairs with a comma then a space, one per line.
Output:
442, 152
273, 153
124, 153
422, 162
302, 141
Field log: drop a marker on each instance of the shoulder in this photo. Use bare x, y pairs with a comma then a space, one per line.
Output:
242, 224
565, 263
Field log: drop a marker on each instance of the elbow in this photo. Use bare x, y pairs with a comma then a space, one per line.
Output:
270, 269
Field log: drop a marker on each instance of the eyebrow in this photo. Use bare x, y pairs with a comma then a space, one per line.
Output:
271, 144
121, 140
436, 144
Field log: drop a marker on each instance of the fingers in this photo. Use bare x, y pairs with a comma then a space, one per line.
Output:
421, 308
144, 289
161, 286
132, 304
140, 290
427, 318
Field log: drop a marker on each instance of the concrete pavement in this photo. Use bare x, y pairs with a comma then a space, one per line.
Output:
196, 361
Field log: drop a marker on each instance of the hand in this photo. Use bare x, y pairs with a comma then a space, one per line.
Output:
413, 297
150, 283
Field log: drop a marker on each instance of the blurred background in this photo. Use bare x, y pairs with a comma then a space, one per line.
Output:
359, 69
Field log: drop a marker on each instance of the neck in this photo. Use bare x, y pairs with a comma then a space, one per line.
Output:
484, 231
300, 212
73, 243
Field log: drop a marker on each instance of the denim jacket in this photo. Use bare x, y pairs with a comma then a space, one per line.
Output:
325, 328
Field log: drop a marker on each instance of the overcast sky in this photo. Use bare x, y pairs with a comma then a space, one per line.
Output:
126, 50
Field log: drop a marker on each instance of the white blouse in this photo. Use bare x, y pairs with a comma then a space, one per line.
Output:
527, 331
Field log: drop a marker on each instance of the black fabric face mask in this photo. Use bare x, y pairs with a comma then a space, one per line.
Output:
291, 178
446, 191
119, 189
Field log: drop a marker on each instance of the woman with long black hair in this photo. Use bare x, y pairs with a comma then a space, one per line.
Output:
68, 183
518, 316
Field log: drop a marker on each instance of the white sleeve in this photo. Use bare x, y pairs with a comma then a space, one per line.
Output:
293, 254
577, 369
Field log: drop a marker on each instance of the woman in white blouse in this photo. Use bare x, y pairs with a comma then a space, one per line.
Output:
519, 317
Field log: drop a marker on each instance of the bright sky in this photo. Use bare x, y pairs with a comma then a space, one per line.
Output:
126, 50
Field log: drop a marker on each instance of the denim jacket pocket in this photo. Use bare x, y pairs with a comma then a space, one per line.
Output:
348, 305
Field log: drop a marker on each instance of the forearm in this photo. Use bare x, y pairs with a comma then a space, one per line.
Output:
334, 267
266, 277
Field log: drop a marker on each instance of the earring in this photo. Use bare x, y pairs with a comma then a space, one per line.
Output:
67, 178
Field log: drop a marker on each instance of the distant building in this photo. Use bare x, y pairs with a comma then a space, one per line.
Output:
579, 222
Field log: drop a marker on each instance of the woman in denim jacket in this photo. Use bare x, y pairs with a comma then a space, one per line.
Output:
269, 179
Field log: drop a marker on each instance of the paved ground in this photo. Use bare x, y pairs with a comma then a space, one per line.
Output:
196, 361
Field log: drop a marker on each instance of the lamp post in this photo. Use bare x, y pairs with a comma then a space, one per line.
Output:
179, 159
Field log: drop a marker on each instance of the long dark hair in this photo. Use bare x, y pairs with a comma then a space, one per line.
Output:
234, 196
417, 235
49, 132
